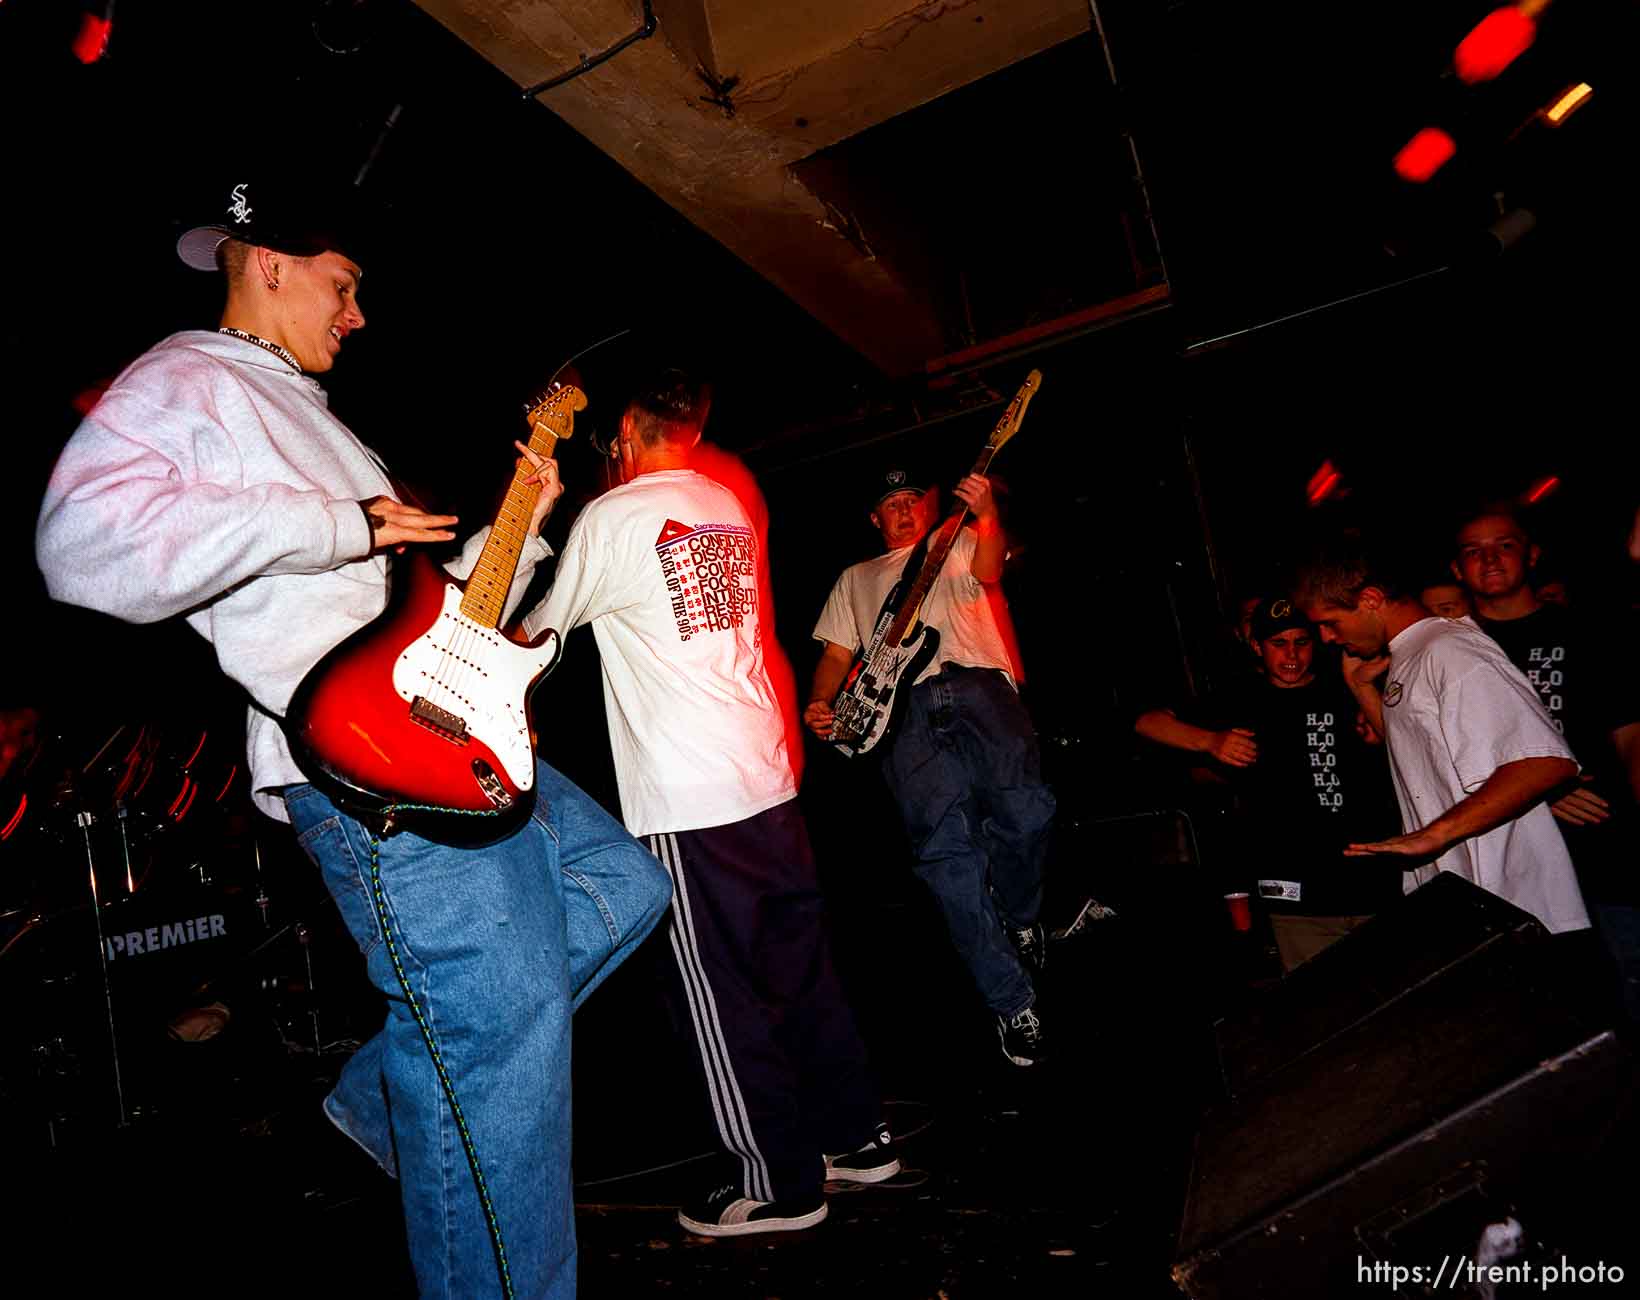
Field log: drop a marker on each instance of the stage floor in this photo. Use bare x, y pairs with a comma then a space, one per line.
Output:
1064, 1179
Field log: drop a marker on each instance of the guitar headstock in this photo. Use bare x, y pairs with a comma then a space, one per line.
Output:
552, 414
1008, 425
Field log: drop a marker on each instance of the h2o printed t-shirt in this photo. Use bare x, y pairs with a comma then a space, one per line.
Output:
1586, 682
1314, 788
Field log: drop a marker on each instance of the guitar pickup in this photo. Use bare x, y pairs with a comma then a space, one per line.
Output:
441, 722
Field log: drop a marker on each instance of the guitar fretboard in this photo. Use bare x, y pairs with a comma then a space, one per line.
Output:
485, 598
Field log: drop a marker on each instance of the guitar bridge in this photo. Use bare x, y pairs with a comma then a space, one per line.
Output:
441, 722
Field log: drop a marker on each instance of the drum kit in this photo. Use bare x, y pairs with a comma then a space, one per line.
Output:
135, 916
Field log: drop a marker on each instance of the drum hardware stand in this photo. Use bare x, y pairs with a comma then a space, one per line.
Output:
85, 821
305, 938
122, 813
277, 985
262, 899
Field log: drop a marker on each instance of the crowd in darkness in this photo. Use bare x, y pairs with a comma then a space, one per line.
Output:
1478, 716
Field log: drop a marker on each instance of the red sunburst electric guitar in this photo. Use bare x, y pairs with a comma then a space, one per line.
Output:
420, 721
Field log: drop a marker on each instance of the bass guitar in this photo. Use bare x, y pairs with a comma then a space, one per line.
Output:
869, 703
420, 720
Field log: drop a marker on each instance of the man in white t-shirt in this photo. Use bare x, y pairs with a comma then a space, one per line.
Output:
667, 568
1471, 750
962, 762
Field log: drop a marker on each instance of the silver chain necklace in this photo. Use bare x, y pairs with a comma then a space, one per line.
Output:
264, 344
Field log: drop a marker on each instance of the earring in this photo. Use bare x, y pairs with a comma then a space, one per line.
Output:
273, 284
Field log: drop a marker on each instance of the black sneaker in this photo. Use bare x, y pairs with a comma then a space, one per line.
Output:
1022, 1037
872, 1163
1032, 943
726, 1213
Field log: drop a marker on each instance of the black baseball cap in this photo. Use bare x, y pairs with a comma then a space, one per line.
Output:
1276, 614
897, 478
288, 215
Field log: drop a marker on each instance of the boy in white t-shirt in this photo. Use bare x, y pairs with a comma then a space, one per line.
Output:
963, 764
669, 571
1471, 750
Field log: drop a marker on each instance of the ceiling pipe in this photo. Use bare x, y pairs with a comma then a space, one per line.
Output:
586, 64
1127, 135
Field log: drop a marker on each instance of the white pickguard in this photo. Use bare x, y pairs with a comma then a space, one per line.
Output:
480, 676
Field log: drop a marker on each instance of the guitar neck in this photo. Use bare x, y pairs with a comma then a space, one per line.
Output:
552, 419
491, 578
938, 549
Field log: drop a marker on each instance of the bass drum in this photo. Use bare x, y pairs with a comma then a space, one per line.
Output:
162, 952
160, 948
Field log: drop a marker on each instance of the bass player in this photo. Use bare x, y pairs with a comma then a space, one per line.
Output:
212, 482
962, 761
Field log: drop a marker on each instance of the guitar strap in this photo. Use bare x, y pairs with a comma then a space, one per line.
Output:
891, 607
919, 553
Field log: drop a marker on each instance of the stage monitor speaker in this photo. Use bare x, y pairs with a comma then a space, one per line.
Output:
1388, 1098
1427, 935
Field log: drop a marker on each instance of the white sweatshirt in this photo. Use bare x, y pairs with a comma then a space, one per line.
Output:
212, 481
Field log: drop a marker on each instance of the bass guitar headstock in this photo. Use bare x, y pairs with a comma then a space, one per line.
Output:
1008, 425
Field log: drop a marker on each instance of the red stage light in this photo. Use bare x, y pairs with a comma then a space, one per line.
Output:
1494, 43
91, 41
1425, 154
16, 817
86, 398
1323, 483
1543, 489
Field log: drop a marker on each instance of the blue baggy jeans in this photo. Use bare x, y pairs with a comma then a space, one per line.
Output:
966, 771
498, 945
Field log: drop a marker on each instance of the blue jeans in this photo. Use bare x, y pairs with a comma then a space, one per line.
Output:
965, 769
499, 945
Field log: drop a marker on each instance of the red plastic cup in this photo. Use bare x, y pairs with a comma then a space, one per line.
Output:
1241, 911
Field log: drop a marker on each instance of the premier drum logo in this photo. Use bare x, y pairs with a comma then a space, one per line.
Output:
139, 943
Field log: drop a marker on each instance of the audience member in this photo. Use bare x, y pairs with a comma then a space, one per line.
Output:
1446, 599
1584, 683
1472, 752
1307, 784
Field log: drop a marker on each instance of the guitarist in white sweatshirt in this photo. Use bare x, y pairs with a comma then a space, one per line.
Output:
211, 482
962, 759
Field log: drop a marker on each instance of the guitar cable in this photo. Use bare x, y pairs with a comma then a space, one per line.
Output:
467, 1144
